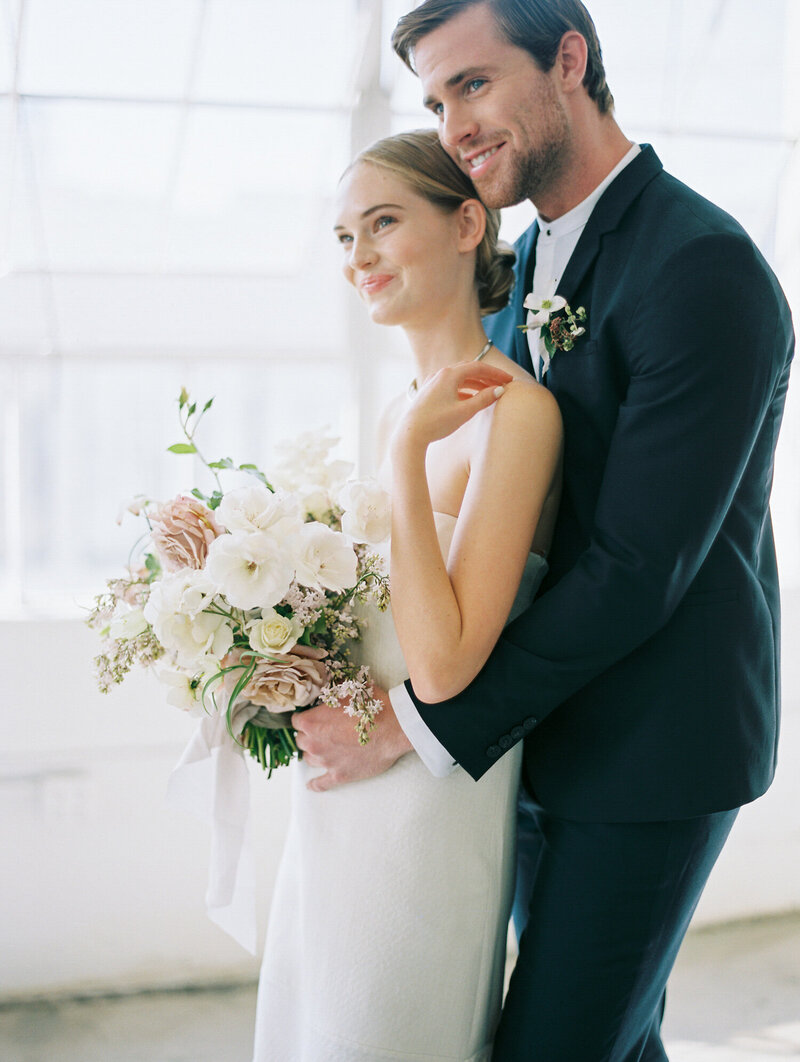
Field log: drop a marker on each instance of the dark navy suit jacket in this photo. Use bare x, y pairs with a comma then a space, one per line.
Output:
644, 679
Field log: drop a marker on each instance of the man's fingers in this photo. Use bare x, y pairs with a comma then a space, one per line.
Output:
322, 783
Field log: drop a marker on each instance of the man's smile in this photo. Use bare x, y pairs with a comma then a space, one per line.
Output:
478, 162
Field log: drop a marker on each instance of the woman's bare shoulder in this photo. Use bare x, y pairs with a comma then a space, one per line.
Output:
524, 396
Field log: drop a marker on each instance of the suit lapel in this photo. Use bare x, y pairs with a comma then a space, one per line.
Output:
606, 216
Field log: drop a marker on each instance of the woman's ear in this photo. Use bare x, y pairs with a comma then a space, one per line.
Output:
471, 224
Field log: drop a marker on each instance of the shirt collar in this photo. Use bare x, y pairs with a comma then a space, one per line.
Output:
579, 215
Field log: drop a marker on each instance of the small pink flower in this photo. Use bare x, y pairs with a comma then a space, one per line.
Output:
183, 529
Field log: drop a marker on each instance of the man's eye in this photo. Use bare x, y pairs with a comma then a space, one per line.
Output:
475, 83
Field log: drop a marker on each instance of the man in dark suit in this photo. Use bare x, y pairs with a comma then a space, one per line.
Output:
644, 678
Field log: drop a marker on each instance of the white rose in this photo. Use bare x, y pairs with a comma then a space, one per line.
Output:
274, 633
127, 623
175, 611
325, 559
367, 511
255, 508
251, 570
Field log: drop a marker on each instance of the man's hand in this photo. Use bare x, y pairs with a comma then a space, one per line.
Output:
328, 739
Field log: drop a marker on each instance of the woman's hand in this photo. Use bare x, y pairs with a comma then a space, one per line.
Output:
450, 398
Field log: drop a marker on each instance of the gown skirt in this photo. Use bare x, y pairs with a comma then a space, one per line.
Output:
388, 926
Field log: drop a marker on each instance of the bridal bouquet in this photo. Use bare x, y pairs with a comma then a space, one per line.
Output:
244, 600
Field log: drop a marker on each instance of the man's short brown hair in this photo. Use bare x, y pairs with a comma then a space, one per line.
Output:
537, 26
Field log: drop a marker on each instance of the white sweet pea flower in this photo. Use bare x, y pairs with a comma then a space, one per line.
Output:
175, 611
274, 633
251, 570
187, 591
127, 622
304, 461
316, 501
367, 511
135, 505
255, 508
325, 559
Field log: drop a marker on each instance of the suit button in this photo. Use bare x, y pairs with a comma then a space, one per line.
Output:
517, 733
505, 741
529, 724
494, 752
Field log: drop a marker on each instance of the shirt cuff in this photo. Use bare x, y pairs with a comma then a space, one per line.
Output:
429, 749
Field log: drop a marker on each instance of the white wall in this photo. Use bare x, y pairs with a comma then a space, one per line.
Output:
102, 884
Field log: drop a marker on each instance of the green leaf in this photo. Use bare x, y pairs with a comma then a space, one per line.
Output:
208, 404
199, 494
192, 409
251, 470
153, 564
214, 499
182, 448
225, 462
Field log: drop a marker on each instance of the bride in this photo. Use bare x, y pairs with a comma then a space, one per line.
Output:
388, 927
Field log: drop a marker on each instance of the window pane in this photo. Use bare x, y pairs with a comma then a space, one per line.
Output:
134, 48
254, 189
297, 54
101, 175
200, 316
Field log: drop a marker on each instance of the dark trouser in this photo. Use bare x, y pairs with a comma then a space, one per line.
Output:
600, 911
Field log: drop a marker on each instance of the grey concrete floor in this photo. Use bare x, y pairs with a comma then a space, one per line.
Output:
734, 997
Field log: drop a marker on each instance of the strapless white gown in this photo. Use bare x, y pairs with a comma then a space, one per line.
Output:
387, 931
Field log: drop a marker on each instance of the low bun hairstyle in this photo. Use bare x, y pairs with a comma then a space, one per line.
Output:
419, 160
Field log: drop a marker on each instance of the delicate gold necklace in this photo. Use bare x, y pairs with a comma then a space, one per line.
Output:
412, 387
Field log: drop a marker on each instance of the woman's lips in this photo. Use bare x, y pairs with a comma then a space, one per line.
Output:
377, 282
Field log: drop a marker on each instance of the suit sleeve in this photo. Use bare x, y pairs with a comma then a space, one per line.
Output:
707, 353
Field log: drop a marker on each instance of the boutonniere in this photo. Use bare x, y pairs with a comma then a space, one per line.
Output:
560, 326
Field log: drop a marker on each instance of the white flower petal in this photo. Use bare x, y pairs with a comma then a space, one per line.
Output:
251, 570
325, 559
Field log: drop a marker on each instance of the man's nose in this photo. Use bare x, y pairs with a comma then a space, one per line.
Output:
458, 126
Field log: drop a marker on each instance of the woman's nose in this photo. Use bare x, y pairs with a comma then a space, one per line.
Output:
362, 252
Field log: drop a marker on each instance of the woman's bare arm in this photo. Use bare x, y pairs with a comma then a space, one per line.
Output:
448, 618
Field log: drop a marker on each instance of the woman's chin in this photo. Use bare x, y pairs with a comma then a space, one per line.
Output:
384, 315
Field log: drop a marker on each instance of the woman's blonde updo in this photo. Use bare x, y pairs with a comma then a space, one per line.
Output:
418, 159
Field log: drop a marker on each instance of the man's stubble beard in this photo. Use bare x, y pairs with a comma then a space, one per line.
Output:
538, 171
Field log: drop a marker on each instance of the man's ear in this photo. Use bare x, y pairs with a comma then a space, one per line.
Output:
571, 61
471, 224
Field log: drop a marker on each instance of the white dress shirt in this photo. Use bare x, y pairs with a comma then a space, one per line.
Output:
554, 246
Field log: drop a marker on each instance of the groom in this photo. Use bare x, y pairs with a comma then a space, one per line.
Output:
644, 678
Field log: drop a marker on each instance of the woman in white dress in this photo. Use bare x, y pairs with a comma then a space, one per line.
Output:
388, 927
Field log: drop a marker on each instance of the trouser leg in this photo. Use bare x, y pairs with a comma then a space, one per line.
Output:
607, 908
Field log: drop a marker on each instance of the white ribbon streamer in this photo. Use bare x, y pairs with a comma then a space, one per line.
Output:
211, 781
